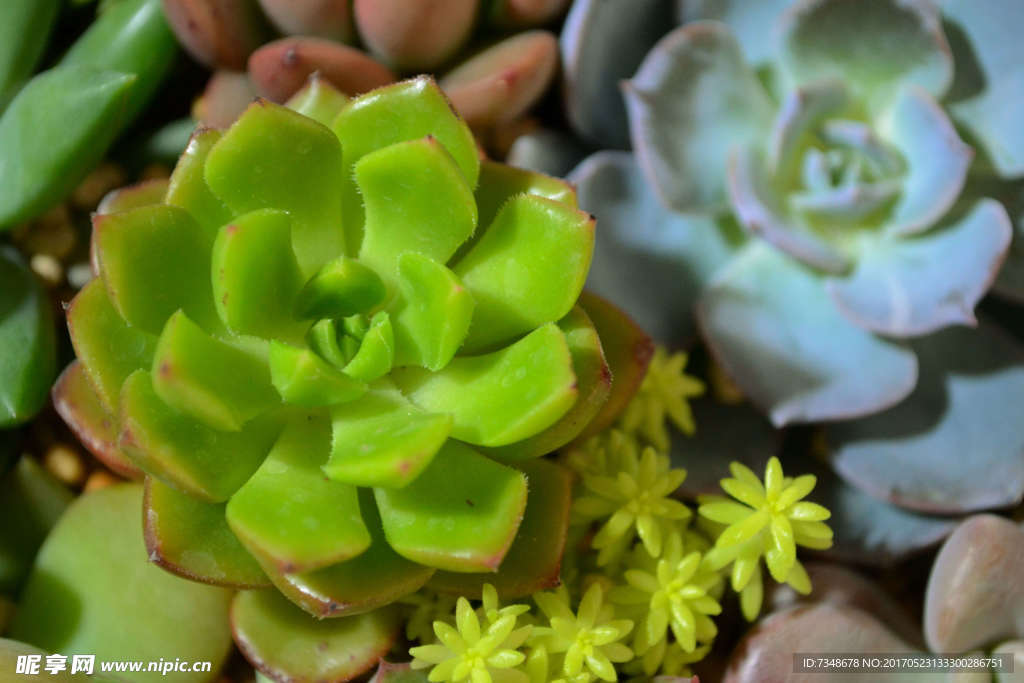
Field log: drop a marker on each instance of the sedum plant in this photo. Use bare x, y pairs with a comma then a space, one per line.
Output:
332, 343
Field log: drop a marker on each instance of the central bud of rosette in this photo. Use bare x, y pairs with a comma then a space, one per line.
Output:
335, 342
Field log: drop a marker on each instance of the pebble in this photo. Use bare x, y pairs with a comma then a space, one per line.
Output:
79, 275
65, 463
100, 479
48, 268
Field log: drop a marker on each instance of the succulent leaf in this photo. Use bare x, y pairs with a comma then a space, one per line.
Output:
274, 158
323, 18
318, 100
191, 538
314, 521
92, 590
415, 37
184, 453
78, 404
23, 32
491, 401
27, 336
534, 559
694, 80
263, 620
188, 189
218, 33
460, 514
813, 375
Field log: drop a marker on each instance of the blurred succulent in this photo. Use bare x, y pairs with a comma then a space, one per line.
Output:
61, 122
770, 520
488, 87
318, 304
806, 200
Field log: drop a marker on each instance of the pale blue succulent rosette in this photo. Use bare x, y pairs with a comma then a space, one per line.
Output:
825, 190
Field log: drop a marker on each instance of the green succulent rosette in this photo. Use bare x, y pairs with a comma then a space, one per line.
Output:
329, 341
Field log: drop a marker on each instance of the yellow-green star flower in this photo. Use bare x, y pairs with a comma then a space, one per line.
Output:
664, 393
769, 520
588, 639
676, 596
634, 496
467, 652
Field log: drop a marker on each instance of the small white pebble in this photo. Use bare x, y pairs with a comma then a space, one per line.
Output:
48, 268
65, 463
79, 275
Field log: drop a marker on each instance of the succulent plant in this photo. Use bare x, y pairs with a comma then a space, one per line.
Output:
335, 350
488, 86
60, 123
799, 199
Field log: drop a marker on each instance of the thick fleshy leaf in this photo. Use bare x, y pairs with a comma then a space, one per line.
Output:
867, 530
302, 378
522, 13
132, 37
909, 287
280, 68
436, 211
460, 514
951, 447
285, 643
275, 158
431, 315
752, 24
376, 354
527, 269
648, 260
534, 560
343, 287
692, 100
56, 129
184, 453
383, 440
144, 193
760, 210
227, 95
593, 384
188, 189
292, 517
155, 260
191, 538
318, 100
803, 110
766, 653
324, 18
107, 346
12, 653
371, 580
218, 33
873, 46
409, 110
256, 277
789, 348
986, 96
974, 595
603, 43
500, 84
417, 37
78, 404
222, 384
935, 157
31, 501
93, 591
23, 33
501, 397
27, 337
628, 351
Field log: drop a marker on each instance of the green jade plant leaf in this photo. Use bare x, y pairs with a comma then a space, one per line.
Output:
324, 345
